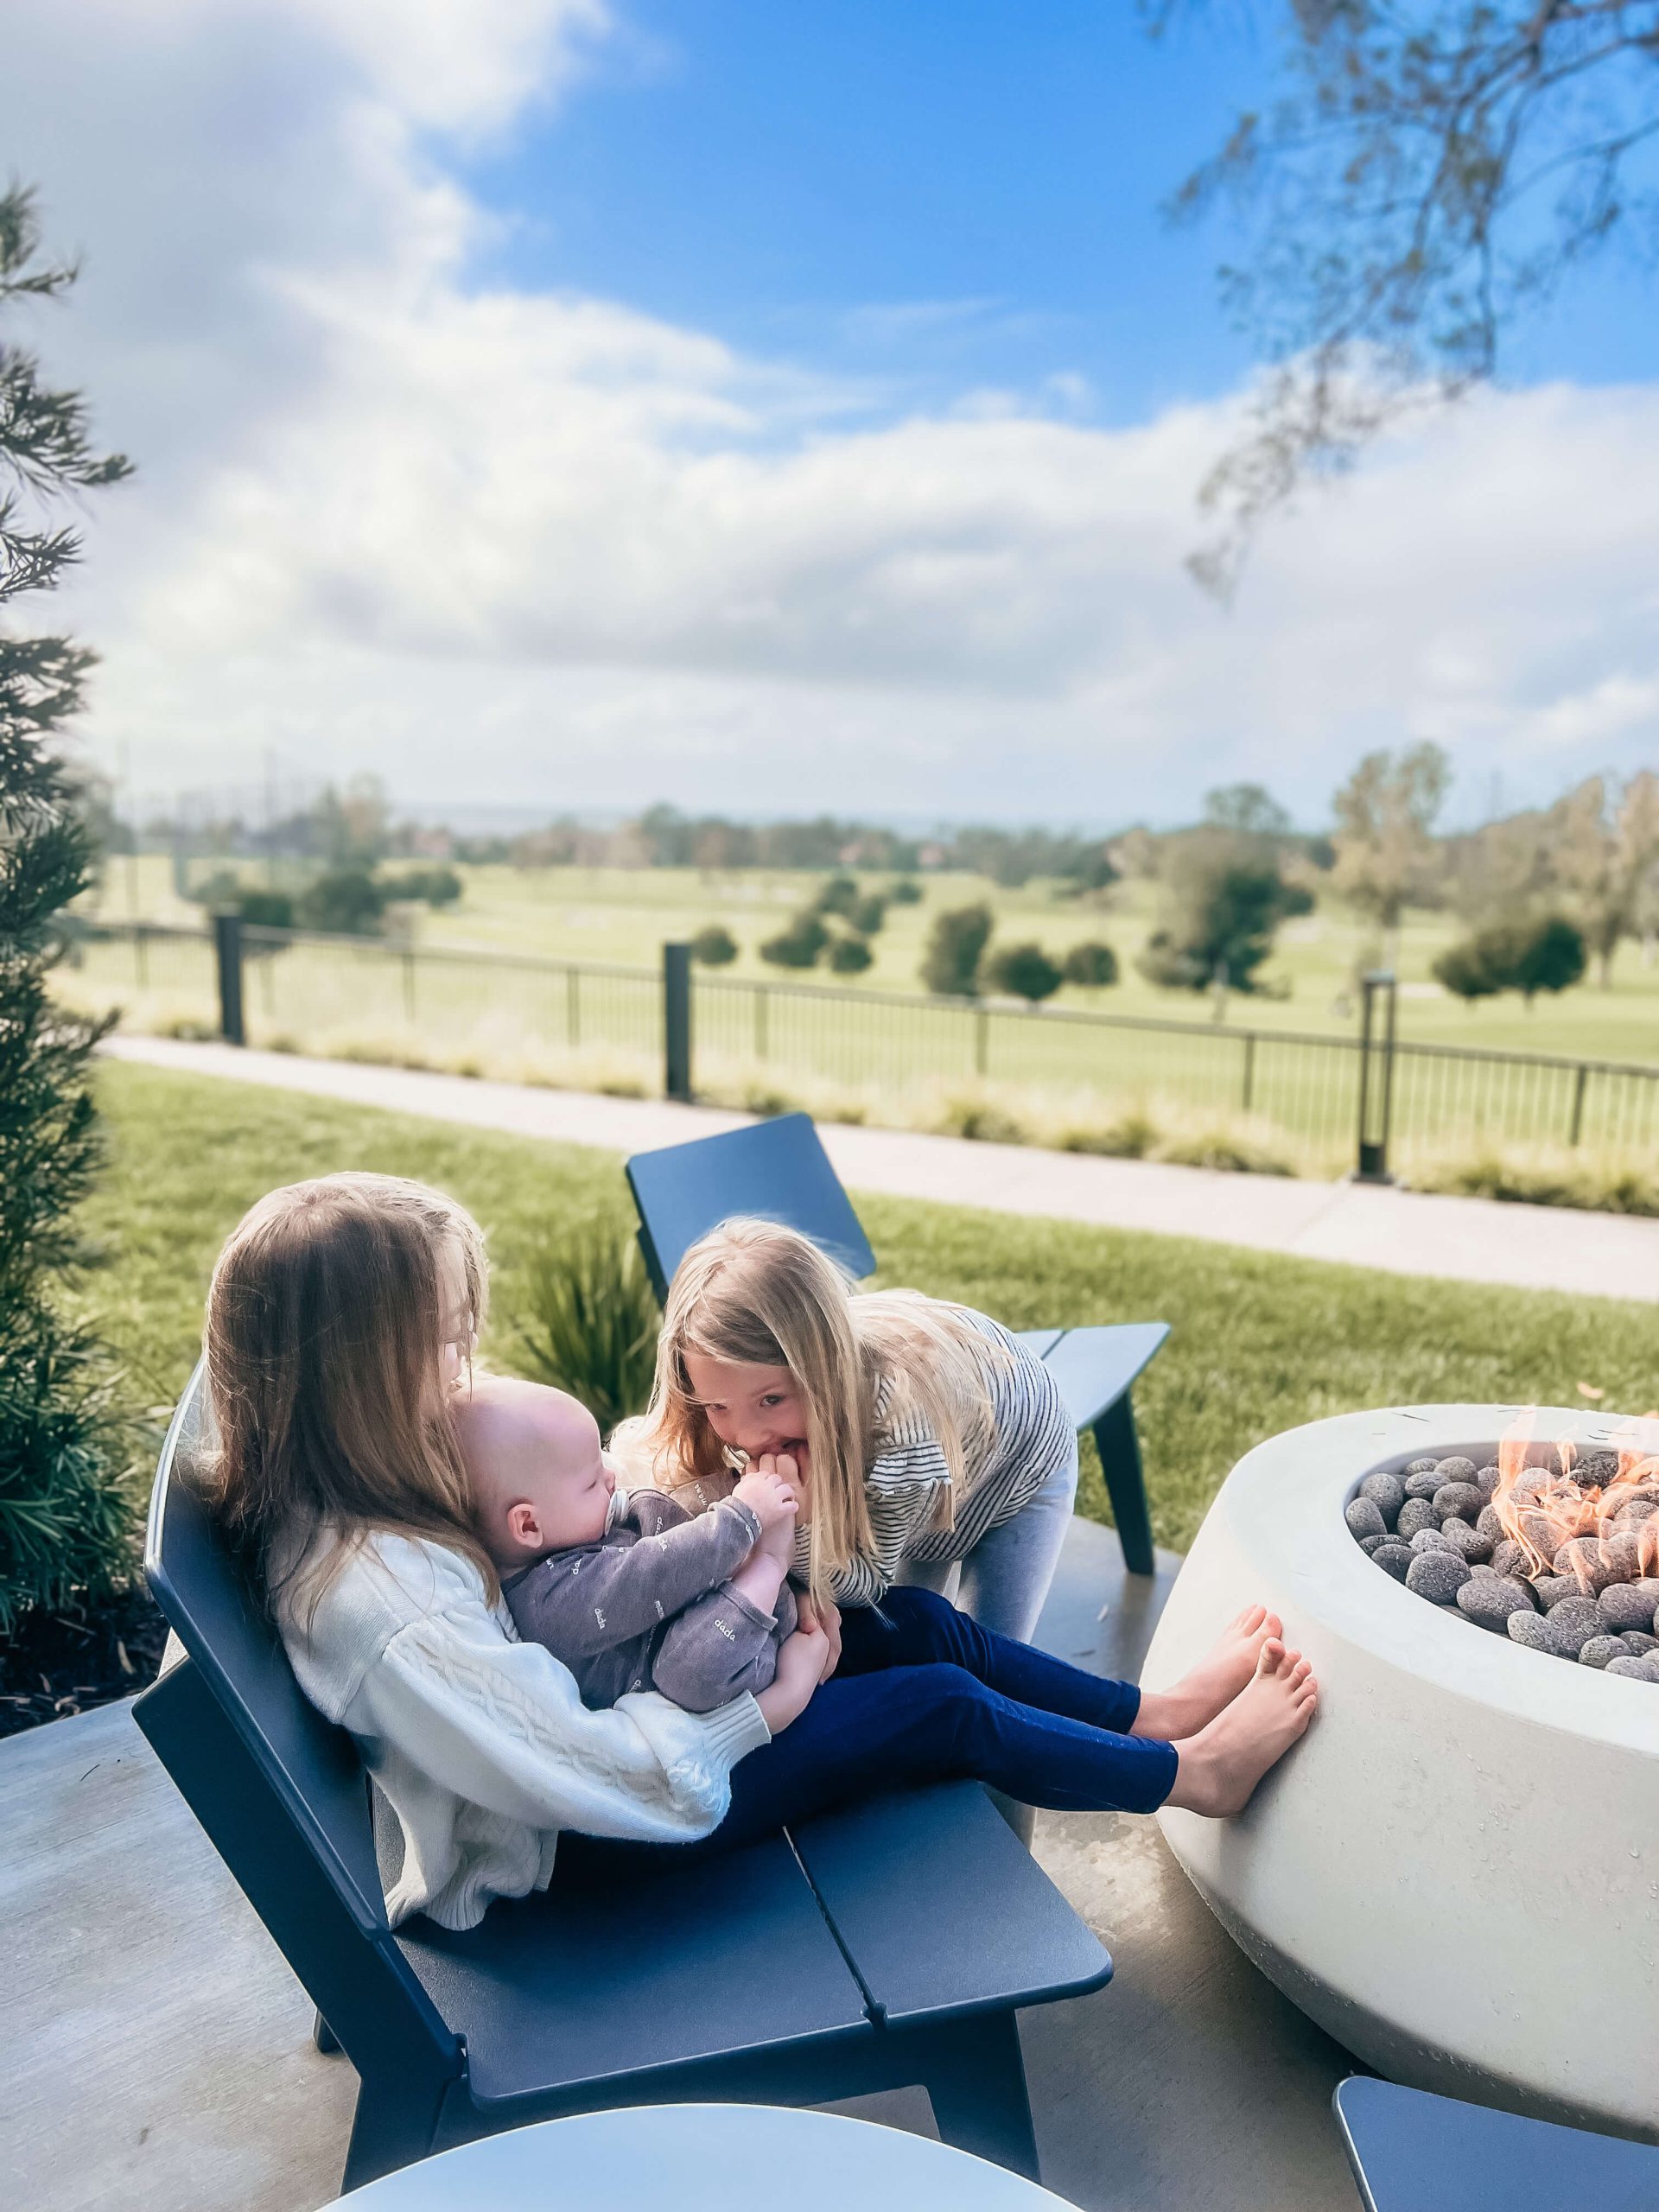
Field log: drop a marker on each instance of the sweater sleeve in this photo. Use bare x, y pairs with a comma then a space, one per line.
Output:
501, 1724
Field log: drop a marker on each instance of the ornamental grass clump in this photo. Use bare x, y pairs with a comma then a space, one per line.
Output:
588, 1320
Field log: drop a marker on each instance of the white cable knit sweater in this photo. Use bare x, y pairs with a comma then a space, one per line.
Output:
479, 1746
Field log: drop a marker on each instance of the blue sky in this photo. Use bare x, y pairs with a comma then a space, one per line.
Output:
934, 193
563, 404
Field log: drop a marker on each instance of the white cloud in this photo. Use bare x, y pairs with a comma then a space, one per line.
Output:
547, 549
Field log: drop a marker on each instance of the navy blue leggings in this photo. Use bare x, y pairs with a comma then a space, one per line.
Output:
922, 1694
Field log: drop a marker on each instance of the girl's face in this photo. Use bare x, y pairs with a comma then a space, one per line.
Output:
457, 1337
751, 1409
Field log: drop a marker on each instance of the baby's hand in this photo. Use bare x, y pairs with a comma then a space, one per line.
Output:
770, 1498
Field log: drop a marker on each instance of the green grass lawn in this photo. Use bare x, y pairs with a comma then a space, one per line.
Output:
1260, 1343
624, 915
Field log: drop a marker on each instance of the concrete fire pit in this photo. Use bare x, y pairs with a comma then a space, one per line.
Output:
1456, 1873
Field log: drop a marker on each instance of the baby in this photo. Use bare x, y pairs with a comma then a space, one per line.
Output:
626, 1588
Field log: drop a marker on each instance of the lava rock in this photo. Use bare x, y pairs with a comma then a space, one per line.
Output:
1422, 1481
1491, 1599
1639, 1670
1551, 1589
1488, 1524
1487, 1480
1434, 1540
1510, 1558
1579, 1617
1600, 1649
1364, 1518
1649, 1586
1623, 1606
1635, 1511
1416, 1513
1393, 1557
1387, 1492
1422, 1466
1541, 1634
1638, 1643
1468, 1543
1369, 1544
1456, 1470
1595, 1470
1461, 1499
1590, 1560
1437, 1576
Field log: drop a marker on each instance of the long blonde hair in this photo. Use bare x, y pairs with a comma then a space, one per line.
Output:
324, 1320
761, 1294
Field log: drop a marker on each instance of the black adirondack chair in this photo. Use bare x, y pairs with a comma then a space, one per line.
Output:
884, 1945
780, 1171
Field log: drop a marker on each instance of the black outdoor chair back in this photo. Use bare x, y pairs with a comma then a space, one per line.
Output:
778, 1170
279, 1788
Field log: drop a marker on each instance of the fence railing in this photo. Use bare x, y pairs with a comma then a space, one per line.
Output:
1339, 1096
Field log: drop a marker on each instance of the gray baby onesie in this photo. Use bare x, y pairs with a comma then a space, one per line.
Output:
650, 1607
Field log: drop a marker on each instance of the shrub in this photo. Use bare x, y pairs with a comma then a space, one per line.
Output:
713, 946
955, 945
589, 1320
906, 892
797, 946
343, 902
1131, 1137
433, 886
839, 896
982, 1119
64, 1513
1022, 971
1093, 965
1543, 952
850, 956
867, 914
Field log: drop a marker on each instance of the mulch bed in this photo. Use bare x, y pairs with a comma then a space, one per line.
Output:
60, 1664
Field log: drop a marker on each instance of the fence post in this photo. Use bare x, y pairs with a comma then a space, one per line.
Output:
676, 1022
227, 948
981, 1040
141, 956
1249, 1067
1375, 1076
1578, 1101
409, 985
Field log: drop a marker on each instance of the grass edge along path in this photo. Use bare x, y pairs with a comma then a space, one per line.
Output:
1260, 1343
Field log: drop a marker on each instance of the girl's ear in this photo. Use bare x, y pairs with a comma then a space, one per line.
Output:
522, 1525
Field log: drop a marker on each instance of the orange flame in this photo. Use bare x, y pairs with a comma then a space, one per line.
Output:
1609, 1531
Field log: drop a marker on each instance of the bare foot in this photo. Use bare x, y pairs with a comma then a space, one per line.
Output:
1221, 1765
1212, 1684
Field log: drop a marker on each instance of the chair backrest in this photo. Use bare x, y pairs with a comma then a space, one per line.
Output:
280, 1789
310, 1766
778, 1170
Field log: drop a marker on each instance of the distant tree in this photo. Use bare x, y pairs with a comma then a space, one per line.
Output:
850, 956
351, 828
799, 944
1093, 965
1384, 840
867, 914
266, 910
1225, 899
713, 946
1249, 810
1022, 971
955, 944
839, 896
1539, 952
906, 892
1637, 832
65, 1510
433, 886
1423, 180
342, 902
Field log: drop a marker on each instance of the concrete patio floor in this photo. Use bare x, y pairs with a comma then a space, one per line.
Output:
158, 2055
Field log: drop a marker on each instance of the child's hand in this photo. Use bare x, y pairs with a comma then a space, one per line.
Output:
801, 1660
770, 1498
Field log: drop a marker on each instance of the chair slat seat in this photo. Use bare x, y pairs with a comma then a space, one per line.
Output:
1413, 2151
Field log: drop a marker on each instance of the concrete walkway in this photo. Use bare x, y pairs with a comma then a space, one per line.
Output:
1471, 1240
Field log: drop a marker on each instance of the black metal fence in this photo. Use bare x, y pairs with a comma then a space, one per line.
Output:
1339, 1098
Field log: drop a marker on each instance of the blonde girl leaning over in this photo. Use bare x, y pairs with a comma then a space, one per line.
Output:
342, 1319
926, 1438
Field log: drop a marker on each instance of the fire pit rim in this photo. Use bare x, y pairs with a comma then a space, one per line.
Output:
1283, 1494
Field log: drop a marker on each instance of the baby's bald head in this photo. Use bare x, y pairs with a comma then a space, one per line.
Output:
538, 1477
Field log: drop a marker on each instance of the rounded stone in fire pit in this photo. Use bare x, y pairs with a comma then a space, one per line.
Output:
1462, 1499
1438, 1576
1600, 1649
1546, 1633
1423, 1481
1638, 1643
1636, 1670
1624, 1606
1491, 1599
1387, 1492
1364, 1518
1394, 1557
1468, 1543
1415, 1513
